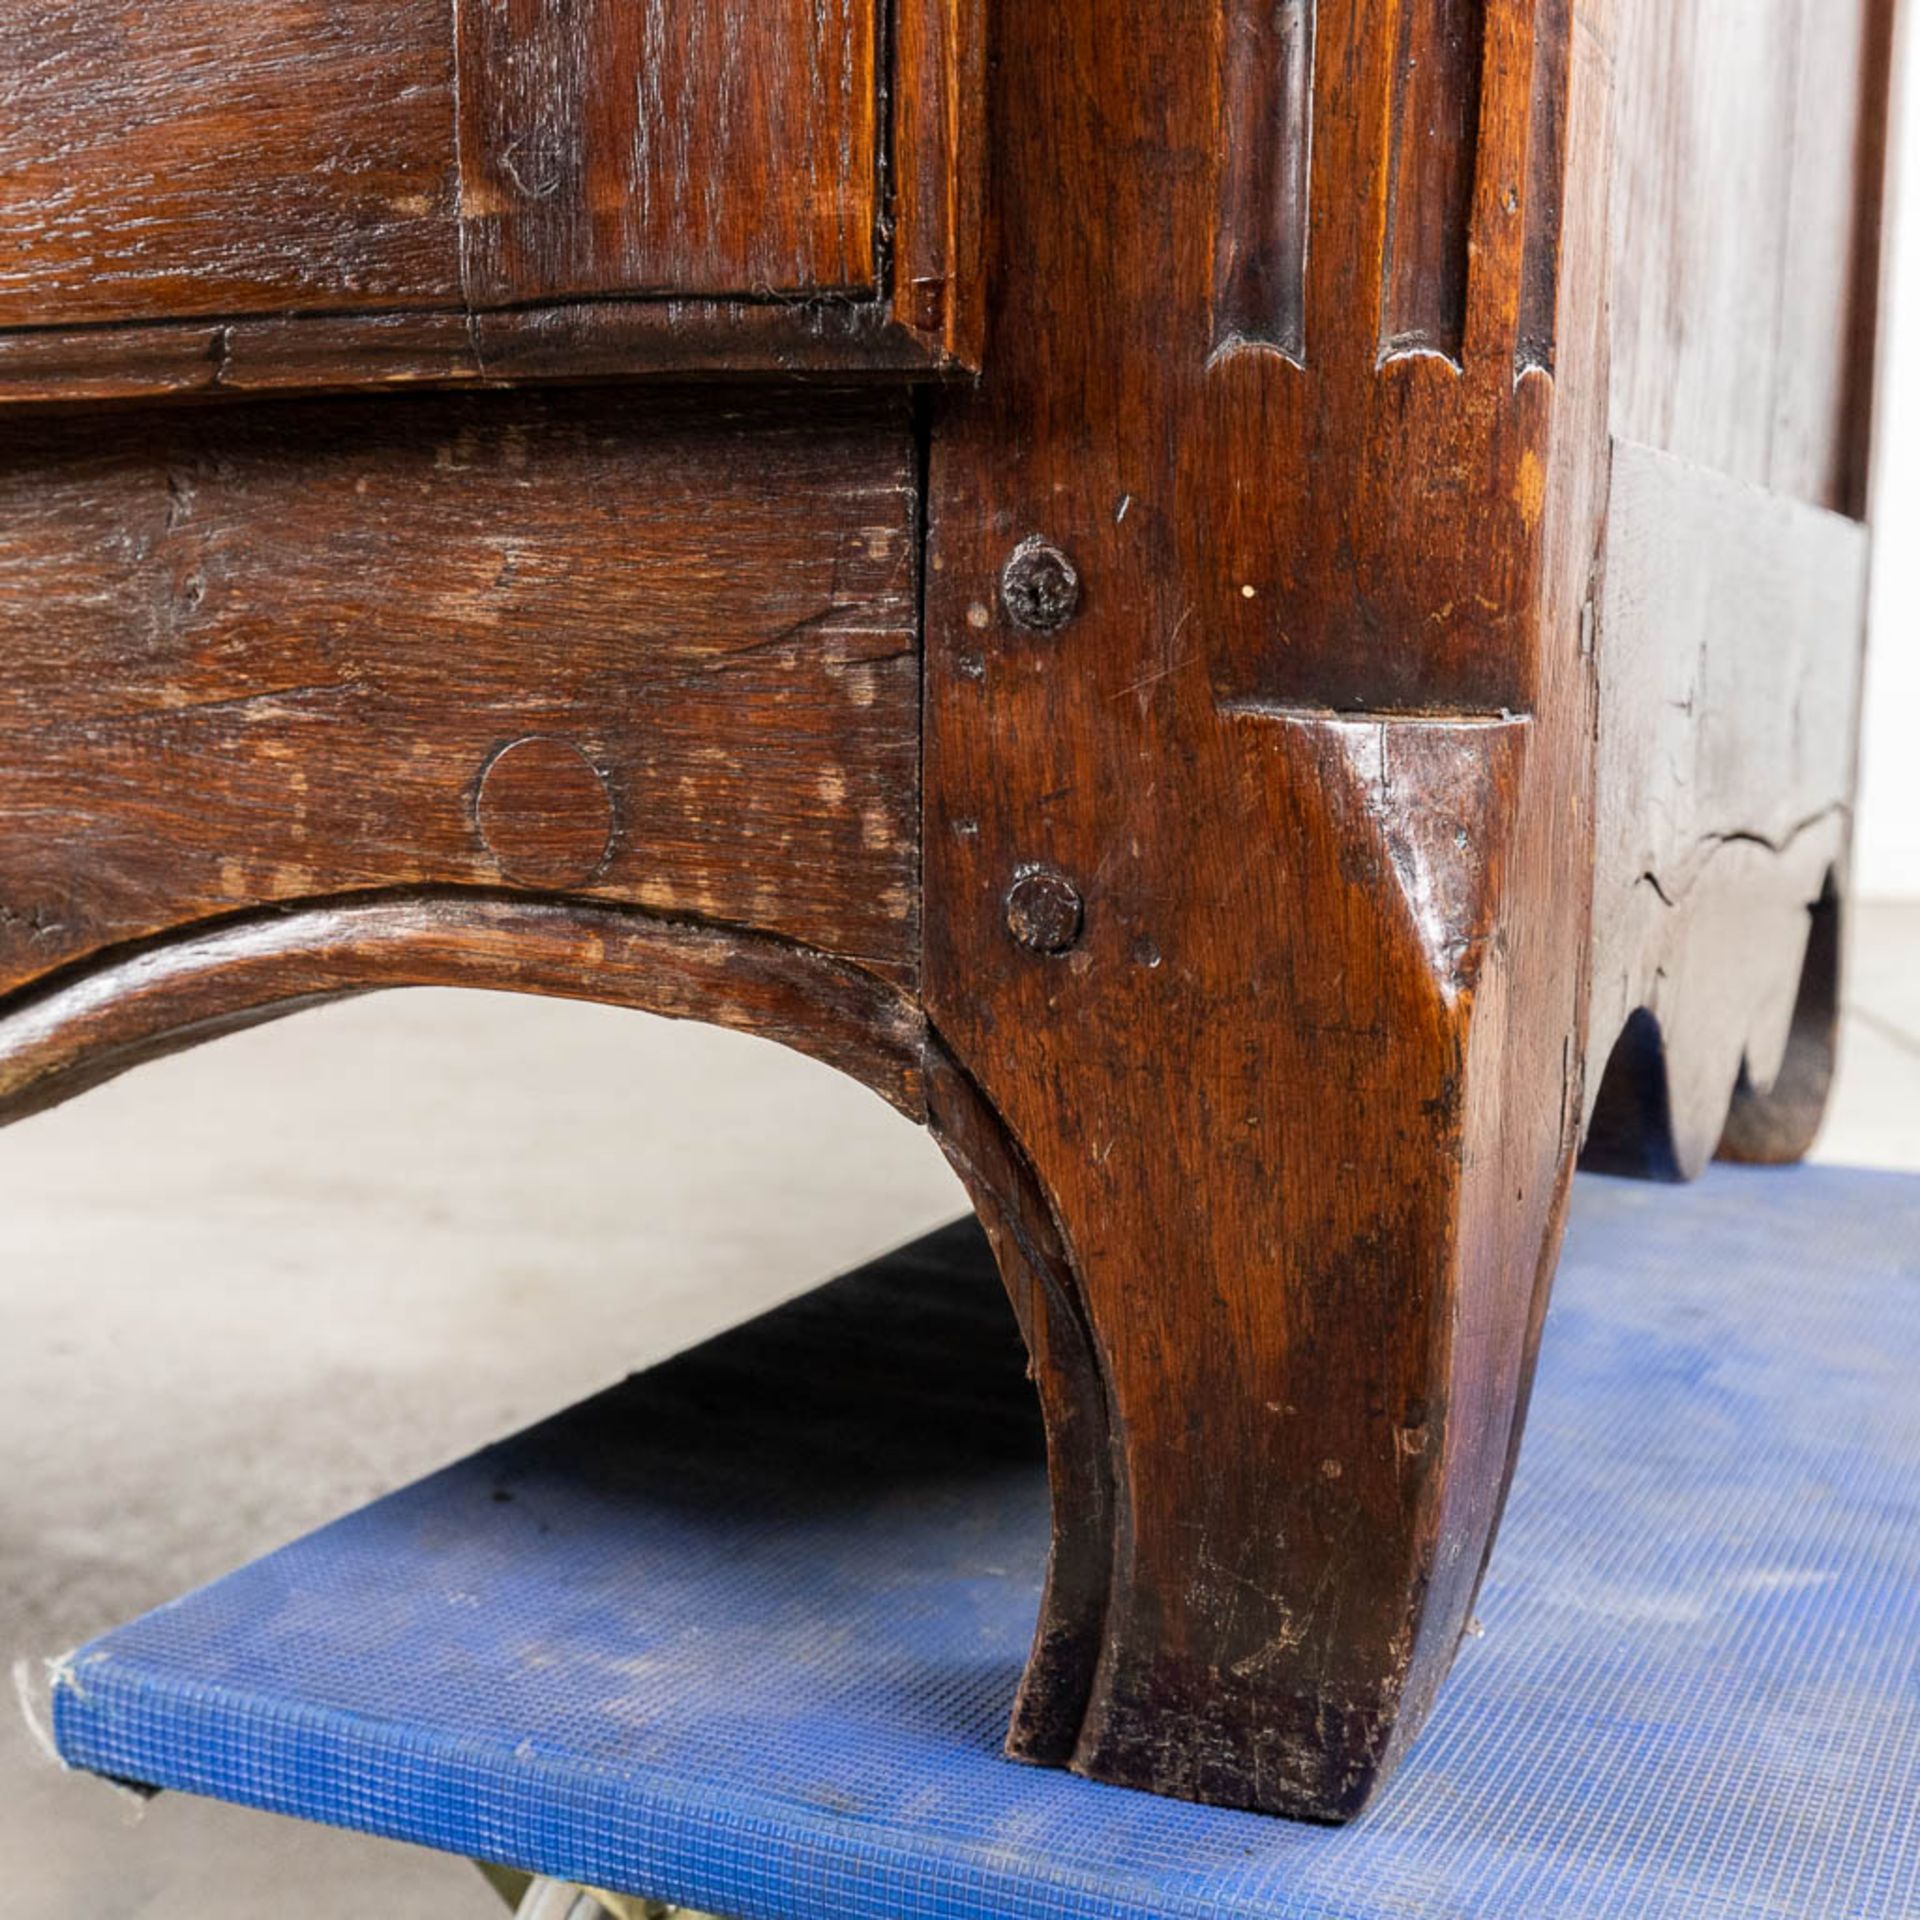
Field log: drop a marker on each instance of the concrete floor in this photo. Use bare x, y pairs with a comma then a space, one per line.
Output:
250, 1287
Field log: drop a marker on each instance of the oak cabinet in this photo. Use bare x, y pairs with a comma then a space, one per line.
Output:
1251, 609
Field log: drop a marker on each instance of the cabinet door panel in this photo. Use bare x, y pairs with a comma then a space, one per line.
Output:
353, 157
192, 159
611, 146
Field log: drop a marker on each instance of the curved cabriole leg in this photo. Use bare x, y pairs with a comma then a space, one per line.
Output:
1065, 1367
1257, 848
1302, 1147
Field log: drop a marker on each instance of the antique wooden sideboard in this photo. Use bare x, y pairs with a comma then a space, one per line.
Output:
1250, 608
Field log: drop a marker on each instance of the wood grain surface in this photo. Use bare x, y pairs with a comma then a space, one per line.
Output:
1746, 235
395, 352
937, 105
683, 146
1359, 690
83, 1029
165, 161
1310, 775
277, 653
318, 194
1302, 1092
1730, 645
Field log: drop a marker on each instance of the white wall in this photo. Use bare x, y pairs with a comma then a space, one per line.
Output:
1888, 849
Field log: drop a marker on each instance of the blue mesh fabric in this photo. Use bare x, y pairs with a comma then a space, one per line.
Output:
743, 1633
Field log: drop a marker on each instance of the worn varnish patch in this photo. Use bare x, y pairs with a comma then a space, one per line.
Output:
281, 652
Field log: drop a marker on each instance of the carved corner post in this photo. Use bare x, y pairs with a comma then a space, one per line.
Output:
1257, 829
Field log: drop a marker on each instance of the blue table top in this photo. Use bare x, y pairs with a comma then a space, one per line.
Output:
743, 1632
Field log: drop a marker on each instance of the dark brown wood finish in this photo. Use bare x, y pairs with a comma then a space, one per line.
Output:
92, 1023
936, 104
616, 340
1300, 1064
1303, 1093
190, 159
180, 161
1357, 694
640, 650
657, 146
1065, 1364
328, 193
